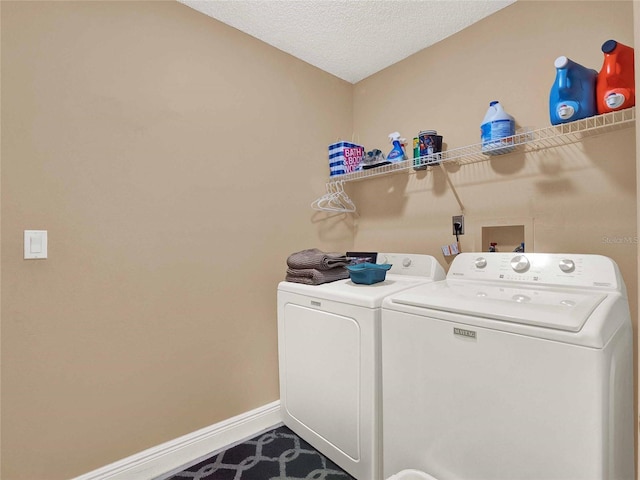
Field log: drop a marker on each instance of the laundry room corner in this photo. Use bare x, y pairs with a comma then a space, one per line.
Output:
173, 163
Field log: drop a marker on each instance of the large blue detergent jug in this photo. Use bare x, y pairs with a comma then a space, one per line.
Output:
573, 94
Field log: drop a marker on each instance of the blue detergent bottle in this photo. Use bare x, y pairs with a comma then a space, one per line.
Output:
397, 152
573, 94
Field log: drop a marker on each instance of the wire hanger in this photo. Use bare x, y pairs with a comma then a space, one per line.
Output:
335, 200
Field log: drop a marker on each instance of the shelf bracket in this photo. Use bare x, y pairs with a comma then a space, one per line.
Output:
453, 189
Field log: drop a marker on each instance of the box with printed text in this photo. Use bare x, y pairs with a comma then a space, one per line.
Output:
345, 157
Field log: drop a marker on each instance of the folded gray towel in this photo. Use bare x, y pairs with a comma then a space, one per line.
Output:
316, 259
312, 276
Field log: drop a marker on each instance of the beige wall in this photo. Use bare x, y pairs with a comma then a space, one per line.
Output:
578, 198
148, 140
170, 158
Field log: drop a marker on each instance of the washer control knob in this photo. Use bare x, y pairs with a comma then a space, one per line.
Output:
520, 263
480, 262
406, 262
566, 265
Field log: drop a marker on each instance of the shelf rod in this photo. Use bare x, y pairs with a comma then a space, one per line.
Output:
453, 189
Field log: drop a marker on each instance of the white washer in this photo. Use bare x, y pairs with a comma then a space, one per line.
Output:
517, 367
329, 356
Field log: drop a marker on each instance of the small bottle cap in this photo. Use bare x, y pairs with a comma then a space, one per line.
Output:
491, 104
609, 46
561, 62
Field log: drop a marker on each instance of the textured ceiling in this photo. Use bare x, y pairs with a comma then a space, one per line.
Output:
350, 39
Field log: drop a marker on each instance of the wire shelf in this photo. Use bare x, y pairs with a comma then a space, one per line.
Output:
534, 140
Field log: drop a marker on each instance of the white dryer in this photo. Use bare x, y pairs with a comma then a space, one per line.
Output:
517, 367
329, 359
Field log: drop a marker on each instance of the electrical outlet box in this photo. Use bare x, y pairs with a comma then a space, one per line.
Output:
457, 219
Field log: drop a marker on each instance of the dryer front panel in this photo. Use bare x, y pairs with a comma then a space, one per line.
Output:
320, 374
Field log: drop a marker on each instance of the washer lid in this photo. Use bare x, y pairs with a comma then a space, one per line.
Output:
556, 309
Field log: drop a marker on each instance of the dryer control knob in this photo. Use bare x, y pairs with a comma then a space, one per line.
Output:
480, 262
520, 263
406, 262
566, 265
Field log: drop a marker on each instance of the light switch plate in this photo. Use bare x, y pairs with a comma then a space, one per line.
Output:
35, 244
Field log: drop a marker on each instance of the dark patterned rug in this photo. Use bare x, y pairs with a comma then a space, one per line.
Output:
278, 454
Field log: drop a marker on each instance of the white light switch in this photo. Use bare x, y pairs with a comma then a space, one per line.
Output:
35, 244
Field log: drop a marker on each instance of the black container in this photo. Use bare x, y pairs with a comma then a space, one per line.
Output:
430, 147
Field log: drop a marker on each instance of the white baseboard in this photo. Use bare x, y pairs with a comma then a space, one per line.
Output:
170, 455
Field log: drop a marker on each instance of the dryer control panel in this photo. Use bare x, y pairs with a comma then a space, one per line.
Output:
414, 264
571, 270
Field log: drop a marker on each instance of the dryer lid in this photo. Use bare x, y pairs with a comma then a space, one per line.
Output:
345, 291
556, 309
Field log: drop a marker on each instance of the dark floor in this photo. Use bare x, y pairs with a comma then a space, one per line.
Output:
278, 454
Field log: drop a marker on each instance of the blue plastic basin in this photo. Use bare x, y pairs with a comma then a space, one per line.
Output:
368, 273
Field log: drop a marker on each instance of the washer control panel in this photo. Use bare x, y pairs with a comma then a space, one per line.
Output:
539, 268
